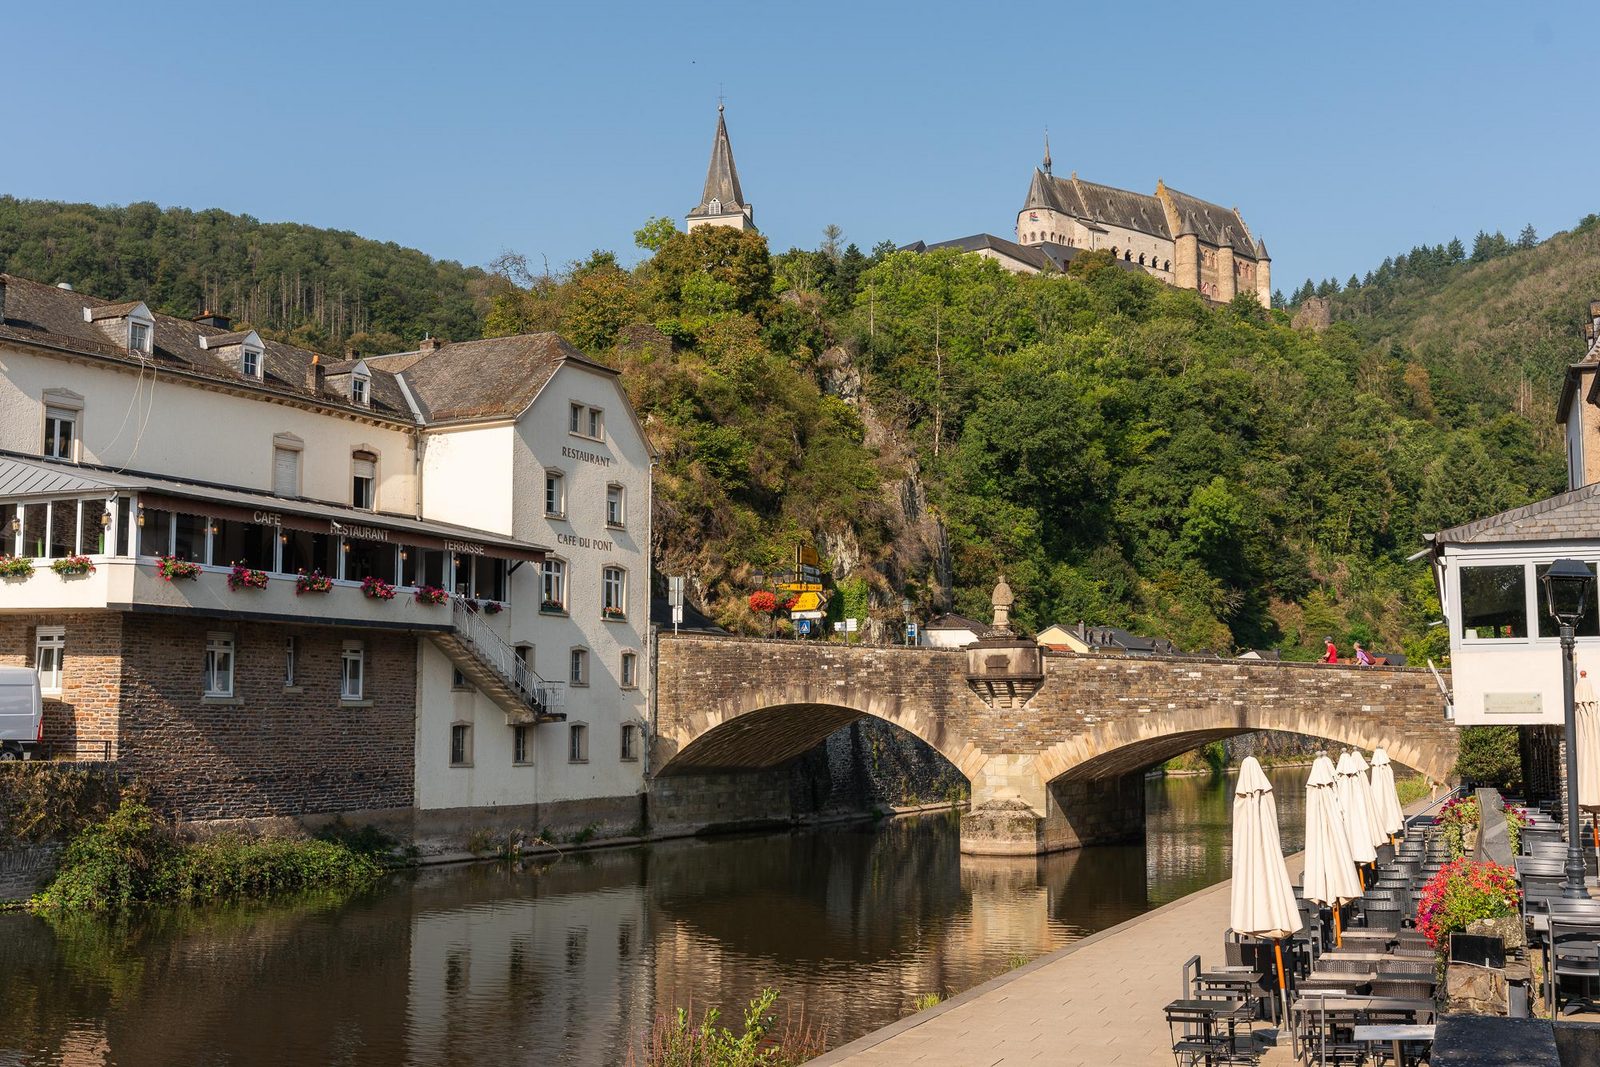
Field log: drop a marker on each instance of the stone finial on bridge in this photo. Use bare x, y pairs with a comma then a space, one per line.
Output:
1001, 601
1003, 669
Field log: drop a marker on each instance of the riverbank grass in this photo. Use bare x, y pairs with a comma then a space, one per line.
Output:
134, 857
677, 1041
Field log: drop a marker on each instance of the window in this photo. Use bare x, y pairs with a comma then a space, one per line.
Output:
521, 751
630, 670
614, 592
460, 744
578, 743
138, 337
553, 597
363, 480
458, 680
49, 657
368, 559
286, 471
585, 421
575, 419
613, 505
578, 672
218, 676
1494, 602
358, 389
630, 742
555, 494
594, 423
60, 433
250, 362
352, 669
288, 661
1588, 626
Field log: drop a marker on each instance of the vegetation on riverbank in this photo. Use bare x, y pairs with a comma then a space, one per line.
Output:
677, 1041
41, 802
134, 857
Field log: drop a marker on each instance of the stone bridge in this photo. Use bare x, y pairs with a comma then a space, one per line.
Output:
1054, 745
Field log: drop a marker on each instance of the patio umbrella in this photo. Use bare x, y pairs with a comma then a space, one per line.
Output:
1588, 723
1390, 816
1375, 820
1263, 900
1355, 797
1330, 873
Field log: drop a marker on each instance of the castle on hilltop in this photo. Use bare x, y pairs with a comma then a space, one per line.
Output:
1181, 239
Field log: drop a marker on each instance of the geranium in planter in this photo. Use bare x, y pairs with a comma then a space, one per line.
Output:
493, 607
376, 588
1463, 892
70, 566
1458, 819
553, 607
431, 594
613, 613
243, 577
763, 602
15, 566
171, 568
315, 582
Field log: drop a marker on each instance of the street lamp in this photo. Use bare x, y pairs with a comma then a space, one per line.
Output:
906, 608
1567, 585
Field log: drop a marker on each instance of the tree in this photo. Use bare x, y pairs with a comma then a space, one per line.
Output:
1456, 252
737, 259
655, 232
830, 242
1528, 237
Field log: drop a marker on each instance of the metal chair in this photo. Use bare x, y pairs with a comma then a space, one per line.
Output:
1574, 953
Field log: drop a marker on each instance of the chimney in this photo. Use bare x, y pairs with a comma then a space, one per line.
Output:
314, 375
214, 320
430, 344
352, 352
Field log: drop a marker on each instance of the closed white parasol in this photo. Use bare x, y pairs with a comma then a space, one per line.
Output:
1330, 873
1263, 898
1375, 820
1588, 720
1355, 798
1390, 815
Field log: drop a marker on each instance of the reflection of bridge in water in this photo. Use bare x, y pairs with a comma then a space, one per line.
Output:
1053, 745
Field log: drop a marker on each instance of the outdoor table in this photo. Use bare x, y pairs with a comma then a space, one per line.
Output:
1492, 1041
1207, 1013
1397, 1033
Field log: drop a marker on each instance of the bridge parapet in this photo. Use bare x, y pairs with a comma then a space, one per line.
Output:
1067, 754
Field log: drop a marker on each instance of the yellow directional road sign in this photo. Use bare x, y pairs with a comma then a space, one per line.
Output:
801, 587
809, 601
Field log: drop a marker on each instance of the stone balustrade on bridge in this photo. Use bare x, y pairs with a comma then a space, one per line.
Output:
1053, 744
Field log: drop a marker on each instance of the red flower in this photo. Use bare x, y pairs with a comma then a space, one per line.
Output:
763, 602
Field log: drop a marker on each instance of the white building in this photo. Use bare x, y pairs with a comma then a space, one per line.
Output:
509, 472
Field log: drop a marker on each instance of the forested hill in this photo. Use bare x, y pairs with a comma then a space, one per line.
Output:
318, 288
1495, 323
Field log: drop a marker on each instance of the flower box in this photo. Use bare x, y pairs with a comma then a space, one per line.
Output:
431, 594
15, 566
613, 613
72, 566
315, 582
552, 607
242, 577
493, 607
171, 568
376, 588
1463, 892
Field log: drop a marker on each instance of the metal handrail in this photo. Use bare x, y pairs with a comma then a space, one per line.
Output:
493, 650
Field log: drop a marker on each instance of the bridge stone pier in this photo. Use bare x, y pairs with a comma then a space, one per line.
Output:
1054, 745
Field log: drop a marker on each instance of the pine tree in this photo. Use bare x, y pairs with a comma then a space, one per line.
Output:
1528, 237
1353, 283
1456, 251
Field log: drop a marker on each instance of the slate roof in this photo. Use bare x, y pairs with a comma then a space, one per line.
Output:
1210, 222
1091, 202
722, 177
1571, 516
951, 621
978, 242
497, 377
46, 315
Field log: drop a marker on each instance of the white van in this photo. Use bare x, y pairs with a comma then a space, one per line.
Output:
21, 713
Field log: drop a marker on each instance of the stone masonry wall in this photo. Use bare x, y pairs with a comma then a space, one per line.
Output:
81, 722
271, 749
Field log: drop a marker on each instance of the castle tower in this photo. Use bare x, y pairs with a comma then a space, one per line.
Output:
722, 203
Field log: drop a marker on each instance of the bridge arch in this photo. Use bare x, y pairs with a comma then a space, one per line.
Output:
775, 724
1116, 747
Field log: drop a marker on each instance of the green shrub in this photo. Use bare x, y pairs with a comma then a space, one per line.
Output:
678, 1042
1490, 756
132, 857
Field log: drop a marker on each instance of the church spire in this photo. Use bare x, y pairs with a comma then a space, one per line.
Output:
722, 203
1047, 150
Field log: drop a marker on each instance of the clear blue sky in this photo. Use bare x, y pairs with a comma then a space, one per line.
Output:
1344, 132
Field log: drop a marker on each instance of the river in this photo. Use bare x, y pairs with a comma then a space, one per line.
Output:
567, 962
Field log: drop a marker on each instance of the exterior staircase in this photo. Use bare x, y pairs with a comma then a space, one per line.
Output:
494, 668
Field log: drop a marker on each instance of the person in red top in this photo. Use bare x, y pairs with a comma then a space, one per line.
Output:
1331, 653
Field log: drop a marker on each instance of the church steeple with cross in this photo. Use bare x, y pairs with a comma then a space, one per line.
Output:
722, 203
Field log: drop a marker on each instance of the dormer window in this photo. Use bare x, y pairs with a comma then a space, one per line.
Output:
250, 363
358, 390
139, 337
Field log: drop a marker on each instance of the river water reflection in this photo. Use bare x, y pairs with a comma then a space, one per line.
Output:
568, 962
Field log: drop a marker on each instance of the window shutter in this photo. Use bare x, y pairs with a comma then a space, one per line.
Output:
364, 466
286, 472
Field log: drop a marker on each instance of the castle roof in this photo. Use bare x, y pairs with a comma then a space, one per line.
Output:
722, 178
1091, 202
1213, 224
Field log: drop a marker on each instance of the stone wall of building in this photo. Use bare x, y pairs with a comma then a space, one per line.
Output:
80, 723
